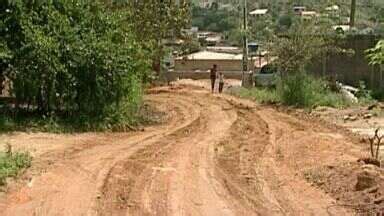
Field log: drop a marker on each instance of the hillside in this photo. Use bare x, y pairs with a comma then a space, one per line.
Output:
369, 13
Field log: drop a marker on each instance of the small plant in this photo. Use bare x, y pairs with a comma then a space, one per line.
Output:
303, 90
364, 95
261, 95
11, 163
375, 140
8, 149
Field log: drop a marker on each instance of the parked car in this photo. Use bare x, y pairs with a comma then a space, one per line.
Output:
267, 76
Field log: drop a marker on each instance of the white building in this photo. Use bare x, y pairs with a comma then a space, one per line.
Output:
205, 3
258, 12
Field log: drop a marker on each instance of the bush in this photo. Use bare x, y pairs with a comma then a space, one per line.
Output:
295, 90
305, 91
261, 95
72, 59
11, 163
363, 94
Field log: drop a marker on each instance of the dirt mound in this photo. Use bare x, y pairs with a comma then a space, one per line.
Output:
354, 185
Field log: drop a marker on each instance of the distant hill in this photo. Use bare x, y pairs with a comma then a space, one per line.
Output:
369, 13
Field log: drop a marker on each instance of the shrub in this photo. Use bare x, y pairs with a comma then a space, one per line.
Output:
363, 94
305, 91
11, 163
72, 58
261, 95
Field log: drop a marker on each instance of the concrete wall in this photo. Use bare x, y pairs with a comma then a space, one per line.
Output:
352, 69
205, 65
174, 75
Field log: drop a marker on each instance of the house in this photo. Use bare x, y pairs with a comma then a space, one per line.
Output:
227, 7
298, 9
205, 3
213, 40
198, 65
225, 49
191, 31
333, 11
259, 12
203, 61
307, 15
341, 28
209, 38
332, 8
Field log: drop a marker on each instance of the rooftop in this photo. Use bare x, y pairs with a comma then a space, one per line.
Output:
308, 13
259, 12
332, 8
209, 55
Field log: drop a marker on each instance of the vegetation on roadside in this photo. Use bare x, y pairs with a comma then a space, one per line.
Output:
298, 90
79, 63
25, 121
376, 54
11, 163
295, 53
305, 91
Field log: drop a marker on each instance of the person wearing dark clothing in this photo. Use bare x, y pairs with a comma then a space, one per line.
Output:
221, 82
213, 76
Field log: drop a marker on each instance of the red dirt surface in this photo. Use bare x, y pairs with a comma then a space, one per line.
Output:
215, 155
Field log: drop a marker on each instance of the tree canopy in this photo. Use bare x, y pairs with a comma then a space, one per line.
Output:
70, 56
376, 54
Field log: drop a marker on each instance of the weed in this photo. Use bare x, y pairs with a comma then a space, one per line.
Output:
11, 163
261, 95
62, 123
306, 91
364, 95
295, 90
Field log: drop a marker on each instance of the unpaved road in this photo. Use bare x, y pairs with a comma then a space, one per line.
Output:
215, 155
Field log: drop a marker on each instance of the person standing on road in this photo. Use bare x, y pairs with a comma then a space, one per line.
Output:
221, 82
213, 76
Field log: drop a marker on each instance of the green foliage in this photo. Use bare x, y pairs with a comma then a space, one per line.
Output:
261, 95
298, 90
11, 163
190, 46
305, 91
364, 94
214, 20
376, 54
73, 58
285, 21
303, 43
152, 22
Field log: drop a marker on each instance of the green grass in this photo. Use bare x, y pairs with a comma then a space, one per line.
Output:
60, 123
11, 163
298, 90
261, 95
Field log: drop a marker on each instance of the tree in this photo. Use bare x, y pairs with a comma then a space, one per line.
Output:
155, 21
71, 57
296, 49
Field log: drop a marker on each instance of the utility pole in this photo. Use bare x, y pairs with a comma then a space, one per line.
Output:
245, 42
353, 14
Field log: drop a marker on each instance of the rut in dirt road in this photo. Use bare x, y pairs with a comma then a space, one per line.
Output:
217, 155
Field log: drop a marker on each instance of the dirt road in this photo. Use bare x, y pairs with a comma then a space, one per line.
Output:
215, 155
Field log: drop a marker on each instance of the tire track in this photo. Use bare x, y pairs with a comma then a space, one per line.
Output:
218, 155
71, 185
